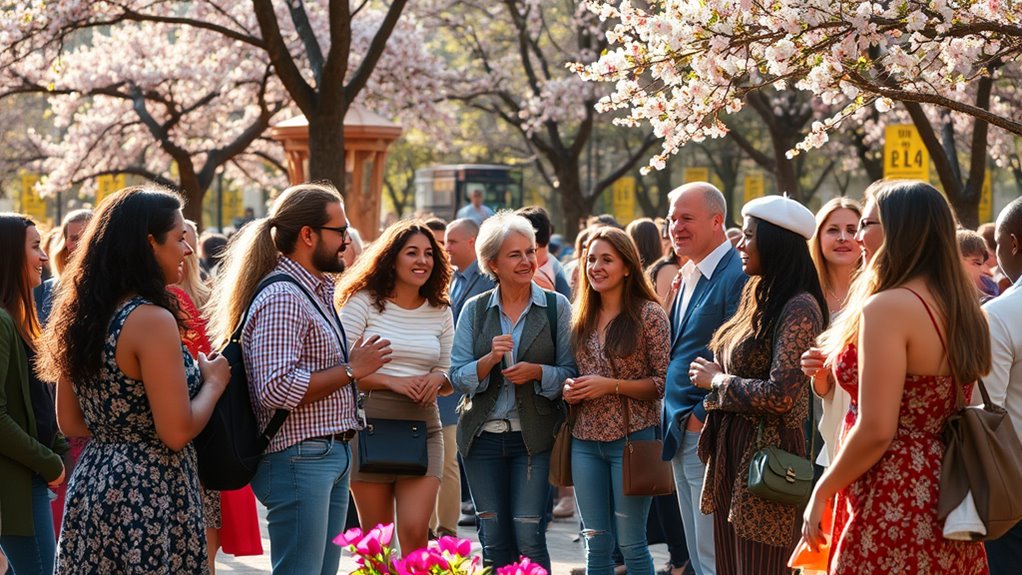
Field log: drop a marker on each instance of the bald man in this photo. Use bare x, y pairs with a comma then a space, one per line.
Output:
1005, 379
708, 295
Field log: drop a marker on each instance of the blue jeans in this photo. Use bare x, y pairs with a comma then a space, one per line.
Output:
33, 554
509, 488
305, 491
688, 478
1004, 554
608, 515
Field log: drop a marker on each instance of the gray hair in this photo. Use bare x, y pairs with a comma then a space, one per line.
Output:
467, 224
714, 199
492, 234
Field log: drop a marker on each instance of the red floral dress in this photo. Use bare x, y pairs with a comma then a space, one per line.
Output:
886, 521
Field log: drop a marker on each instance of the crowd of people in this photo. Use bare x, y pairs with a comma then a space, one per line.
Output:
854, 326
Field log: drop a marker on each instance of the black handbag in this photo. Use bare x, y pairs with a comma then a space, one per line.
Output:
393, 447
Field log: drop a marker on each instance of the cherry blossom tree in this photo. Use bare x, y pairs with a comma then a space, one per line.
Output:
684, 65
231, 65
513, 69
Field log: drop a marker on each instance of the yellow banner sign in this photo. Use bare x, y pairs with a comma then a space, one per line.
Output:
755, 184
108, 184
905, 155
986, 199
624, 199
32, 204
695, 174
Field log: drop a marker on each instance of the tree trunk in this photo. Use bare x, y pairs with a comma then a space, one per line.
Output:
192, 191
784, 168
574, 205
326, 149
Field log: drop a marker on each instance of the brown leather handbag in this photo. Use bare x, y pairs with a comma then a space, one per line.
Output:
644, 470
560, 454
983, 456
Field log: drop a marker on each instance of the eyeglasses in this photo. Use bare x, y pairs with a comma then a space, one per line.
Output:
343, 230
864, 223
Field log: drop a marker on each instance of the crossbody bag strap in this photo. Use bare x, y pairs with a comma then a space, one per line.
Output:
341, 337
812, 421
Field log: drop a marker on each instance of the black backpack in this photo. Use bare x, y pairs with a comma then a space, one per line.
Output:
230, 446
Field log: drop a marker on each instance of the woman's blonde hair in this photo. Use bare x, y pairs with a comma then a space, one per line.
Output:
252, 253
816, 247
192, 282
58, 260
919, 242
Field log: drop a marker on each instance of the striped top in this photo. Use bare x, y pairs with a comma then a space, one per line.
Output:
285, 340
421, 338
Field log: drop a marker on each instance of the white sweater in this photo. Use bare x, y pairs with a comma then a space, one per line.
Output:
421, 338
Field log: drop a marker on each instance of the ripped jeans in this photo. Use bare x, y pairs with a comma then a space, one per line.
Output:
510, 490
608, 515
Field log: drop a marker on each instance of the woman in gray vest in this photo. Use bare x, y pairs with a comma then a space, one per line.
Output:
512, 353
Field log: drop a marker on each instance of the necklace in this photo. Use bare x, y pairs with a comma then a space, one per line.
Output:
838, 300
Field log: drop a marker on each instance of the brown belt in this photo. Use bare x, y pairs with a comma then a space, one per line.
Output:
343, 436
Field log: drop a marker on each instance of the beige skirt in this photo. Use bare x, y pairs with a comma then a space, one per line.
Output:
390, 405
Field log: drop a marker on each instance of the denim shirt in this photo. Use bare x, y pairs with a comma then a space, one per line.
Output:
463, 360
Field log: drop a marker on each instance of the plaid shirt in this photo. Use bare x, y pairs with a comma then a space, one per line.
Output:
286, 340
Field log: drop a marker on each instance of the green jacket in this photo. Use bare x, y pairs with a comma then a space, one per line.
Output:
21, 454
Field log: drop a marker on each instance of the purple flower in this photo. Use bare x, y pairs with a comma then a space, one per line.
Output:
523, 567
421, 562
349, 537
454, 546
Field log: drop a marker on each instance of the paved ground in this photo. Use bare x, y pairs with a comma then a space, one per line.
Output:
564, 552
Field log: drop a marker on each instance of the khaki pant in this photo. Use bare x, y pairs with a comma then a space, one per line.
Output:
448, 500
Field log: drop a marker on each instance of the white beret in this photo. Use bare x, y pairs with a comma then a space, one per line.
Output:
784, 212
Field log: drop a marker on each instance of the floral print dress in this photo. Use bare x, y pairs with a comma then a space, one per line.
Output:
886, 520
133, 504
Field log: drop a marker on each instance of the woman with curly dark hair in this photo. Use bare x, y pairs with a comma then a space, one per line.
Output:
113, 345
398, 291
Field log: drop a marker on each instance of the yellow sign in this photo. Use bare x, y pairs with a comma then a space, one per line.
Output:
108, 184
905, 156
986, 199
754, 187
624, 199
695, 174
232, 204
32, 204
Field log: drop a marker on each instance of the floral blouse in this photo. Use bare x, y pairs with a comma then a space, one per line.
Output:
765, 381
603, 418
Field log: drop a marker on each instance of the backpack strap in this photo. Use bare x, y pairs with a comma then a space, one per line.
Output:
551, 317
280, 415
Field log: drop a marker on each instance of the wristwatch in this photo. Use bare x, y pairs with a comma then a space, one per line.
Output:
350, 373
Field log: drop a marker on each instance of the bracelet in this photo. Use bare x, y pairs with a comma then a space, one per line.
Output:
617, 387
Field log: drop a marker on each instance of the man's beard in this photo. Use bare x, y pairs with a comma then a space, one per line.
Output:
326, 261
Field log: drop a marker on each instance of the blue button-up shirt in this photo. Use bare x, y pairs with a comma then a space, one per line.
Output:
463, 359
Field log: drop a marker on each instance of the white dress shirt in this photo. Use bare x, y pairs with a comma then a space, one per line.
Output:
1004, 383
690, 273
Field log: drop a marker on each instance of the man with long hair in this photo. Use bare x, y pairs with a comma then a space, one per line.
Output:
296, 359
708, 294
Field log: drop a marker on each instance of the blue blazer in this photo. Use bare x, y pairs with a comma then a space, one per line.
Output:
713, 302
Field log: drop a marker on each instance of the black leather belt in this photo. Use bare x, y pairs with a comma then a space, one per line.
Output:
343, 436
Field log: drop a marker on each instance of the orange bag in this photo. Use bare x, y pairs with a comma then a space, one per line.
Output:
810, 561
